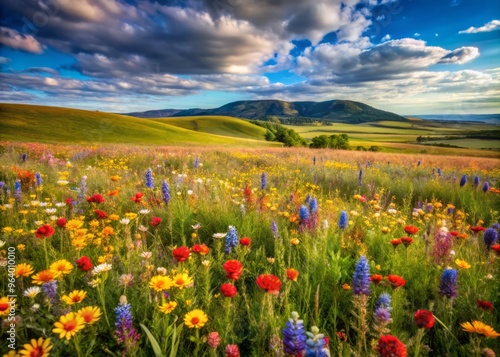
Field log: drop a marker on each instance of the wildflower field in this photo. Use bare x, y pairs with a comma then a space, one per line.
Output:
169, 251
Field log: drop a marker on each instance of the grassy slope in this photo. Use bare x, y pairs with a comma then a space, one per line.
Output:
218, 125
53, 124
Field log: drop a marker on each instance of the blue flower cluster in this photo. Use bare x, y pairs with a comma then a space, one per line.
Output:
294, 337
448, 283
263, 181
150, 182
231, 239
361, 277
343, 220
125, 332
165, 191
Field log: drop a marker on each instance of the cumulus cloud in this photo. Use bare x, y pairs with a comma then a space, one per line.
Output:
461, 55
493, 25
17, 41
4, 60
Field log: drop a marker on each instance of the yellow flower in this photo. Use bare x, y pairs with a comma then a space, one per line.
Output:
462, 264
160, 283
21, 247
94, 223
294, 241
45, 276
4, 306
7, 229
115, 178
23, 270
131, 215
182, 280
90, 314
108, 231
74, 224
74, 297
195, 319
12, 353
346, 286
37, 348
167, 307
479, 328
62, 266
68, 325
114, 217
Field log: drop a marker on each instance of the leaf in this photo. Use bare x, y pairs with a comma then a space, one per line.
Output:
152, 340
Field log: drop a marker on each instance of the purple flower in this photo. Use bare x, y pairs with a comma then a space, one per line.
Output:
294, 337
303, 213
463, 180
24, 157
196, 162
125, 332
150, 182
231, 239
448, 284
165, 190
384, 300
476, 181
486, 187
274, 230
360, 177
50, 291
490, 237
313, 205
315, 344
38, 178
382, 315
263, 181
361, 277
343, 220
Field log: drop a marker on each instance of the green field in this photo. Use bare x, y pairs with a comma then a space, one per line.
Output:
62, 125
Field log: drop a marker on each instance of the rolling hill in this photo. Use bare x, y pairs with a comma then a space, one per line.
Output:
344, 111
63, 125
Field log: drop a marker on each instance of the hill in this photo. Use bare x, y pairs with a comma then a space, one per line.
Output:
63, 125
344, 111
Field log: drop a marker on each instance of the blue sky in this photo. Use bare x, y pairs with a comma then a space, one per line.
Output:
405, 56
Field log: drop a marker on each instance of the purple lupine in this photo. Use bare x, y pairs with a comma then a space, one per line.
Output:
313, 206
315, 344
83, 188
477, 181
196, 162
361, 277
38, 178
440, 172
448, 283
418, 163
50, 291
303, 213
490, 237
360, 177
294, 337
24, 156
231, 239
17, 190
463, 180
150, 182
343, 220
486, 187
165, 191
263, 181
274, 230
125, 332
382, 313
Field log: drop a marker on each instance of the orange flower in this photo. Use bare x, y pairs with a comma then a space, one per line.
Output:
292, 274
396, 280
23, 270
45, 276
270, 283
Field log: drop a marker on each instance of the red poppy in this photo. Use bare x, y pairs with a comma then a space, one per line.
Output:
424, 319
411, 230
245, 241
233, 269
69, 201
391, 346
376, 278
45, 231
407, 241
496, 248
61, 222
137, 198
477, 229
84, 263
396, 281
486, 305
228, 290
454, 233
100, 214
181, 253
200, 249
155, 221
96, 198
270, 283
292, 274
396, 242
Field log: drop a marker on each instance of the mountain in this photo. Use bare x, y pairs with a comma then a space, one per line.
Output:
291, 112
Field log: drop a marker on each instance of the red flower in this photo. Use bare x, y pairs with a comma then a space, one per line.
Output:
391, 346
396, 280
342, 336
407, 241
454, 233
376, 278
486, 305
477, 229
232, 351
137, 198
247, 193
44, 231
233, 269
228, 290
270, 283
100, 214
155, 221
61, 222
292, 274
69, 201
200, 249
496, 248
396, 242
84, 263
96, 198
411, 230
424, 319
181, 253
245, 241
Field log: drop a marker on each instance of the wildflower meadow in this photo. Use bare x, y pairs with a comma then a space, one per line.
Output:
189, 251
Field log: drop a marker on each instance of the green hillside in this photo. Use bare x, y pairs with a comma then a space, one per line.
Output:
63, 125
218, 125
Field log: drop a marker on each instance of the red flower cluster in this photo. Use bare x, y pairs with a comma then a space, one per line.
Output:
396, 281
45, 231
269, 282
96, 198
155, 221
407, 241
233, 269
396, 242
391, 346
137, 198
200, 249
424, 319
245, 241
292, 274
61, 222
100, 214
181, 253
486, 305
411, 230
376, 278
84, 263
477, 229
496, 248
228, 290
247, 193
69, 201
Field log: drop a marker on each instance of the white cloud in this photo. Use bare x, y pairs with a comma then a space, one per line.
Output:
416, 34
493, 25
385, 38
17, 41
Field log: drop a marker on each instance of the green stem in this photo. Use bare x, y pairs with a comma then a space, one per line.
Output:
418, 341
46, 253
77, 346
103, 303
197, 343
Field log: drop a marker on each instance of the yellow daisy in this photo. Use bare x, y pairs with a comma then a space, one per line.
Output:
37, 348
62, 266
479, 328
167, 307
74, 297
23, 270
4, 306
182, 280
160, 283
45, 276
462, 264
68, 325
74, 224
90, 314
195, 319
